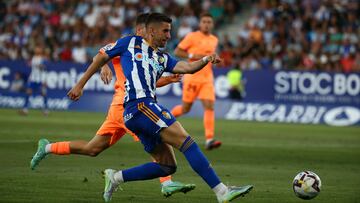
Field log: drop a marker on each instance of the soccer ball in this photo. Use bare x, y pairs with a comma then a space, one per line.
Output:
306, 185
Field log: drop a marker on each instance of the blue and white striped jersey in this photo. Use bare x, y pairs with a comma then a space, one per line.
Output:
38, 72
142, 65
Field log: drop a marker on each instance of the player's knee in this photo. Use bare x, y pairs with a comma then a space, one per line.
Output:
208, 105
186, 109
94, 151
168, 169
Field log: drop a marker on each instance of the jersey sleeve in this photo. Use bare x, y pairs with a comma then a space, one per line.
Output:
170, 63
117, 48
186, 43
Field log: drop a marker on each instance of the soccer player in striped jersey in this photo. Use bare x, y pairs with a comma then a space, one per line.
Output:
156, 127
113, 127
36, 82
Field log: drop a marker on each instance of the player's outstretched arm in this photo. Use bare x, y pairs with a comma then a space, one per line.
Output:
98, 61
181, 53
183, 67
165, 80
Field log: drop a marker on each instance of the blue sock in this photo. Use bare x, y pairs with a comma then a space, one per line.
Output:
199, 162
26, 105
147, 171
45, 103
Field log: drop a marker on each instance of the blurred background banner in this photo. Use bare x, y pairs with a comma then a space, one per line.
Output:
60, 78
271, 96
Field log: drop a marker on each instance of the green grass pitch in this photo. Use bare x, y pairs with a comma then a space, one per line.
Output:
263, 154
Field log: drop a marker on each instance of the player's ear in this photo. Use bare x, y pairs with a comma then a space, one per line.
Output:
151, 30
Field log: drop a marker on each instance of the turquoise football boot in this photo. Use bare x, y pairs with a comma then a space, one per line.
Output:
110, 184
40, 153
175, 187
235, 192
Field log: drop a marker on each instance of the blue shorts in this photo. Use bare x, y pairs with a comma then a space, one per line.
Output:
146, 118
36, 87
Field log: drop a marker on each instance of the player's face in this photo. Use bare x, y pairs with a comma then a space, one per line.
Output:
161, 34
206, 24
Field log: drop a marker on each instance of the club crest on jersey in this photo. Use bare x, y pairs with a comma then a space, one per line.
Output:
166, 114
161, 59
138, 56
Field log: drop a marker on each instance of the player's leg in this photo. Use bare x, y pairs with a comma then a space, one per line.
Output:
45, 99
143, 122
91, 148
207, 97
181, 109
108, 134
169, 187
25, 109
88, 148
190, 92
165, 165
176, 136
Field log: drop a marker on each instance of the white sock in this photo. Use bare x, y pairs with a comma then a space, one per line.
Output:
166, 183
48, 148
118, 177
220, 189
208, 141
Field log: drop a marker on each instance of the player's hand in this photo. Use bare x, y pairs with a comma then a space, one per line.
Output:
106, 74
75, 93
175, 78
214, 59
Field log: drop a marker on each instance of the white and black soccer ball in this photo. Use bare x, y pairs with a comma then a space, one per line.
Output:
306, 185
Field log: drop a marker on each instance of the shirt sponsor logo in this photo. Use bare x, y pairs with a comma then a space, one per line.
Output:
153, 63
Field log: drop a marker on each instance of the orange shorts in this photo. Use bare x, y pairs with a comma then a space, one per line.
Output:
114, 125
192, 91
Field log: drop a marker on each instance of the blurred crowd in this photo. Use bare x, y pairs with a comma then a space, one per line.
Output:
74, 30
298, 34
282, 34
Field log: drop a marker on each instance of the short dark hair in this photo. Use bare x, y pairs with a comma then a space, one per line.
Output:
142, 18
206, 14
157, 18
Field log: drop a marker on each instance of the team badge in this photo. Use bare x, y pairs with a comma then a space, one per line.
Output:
166, 114
161, 59
138, 56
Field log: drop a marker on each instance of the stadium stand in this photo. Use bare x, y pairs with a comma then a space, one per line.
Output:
74, 30
305, 35
281, 34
